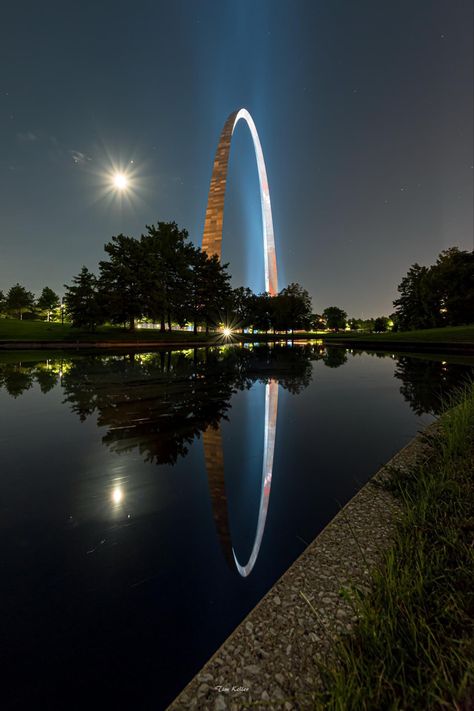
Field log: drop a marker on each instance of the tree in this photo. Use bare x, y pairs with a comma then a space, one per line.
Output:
317, 323
368, 325
381, 324
411, 306
291, 309
440, 295
335, 318
242, 302
19, 300
83, 301
48, 301
2, 302
211, 294
120, 283
166, 273
262, 311
452, 281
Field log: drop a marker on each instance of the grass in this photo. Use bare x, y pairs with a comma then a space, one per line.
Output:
413, 647
448, 334
16, 330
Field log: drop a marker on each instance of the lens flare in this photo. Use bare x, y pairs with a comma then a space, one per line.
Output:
120, 181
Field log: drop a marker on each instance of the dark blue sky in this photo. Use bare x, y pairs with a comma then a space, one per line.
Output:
364, 110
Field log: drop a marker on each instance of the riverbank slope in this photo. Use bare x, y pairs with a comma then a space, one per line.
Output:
16, 334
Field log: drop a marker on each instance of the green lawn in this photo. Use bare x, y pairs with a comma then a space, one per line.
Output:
449, 334
15, 330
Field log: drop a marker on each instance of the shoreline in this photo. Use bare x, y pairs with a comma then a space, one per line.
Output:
460, 347
270, 659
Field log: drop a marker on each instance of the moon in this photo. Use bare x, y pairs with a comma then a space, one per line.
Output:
120, 181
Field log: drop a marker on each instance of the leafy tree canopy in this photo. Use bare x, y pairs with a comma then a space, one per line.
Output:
381, 324
335, 318
440, 295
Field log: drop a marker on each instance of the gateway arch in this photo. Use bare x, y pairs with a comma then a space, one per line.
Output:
212, 236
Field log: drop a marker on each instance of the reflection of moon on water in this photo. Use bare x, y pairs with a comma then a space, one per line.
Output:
213, 453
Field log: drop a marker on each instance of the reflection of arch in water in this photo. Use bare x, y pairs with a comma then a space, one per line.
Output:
212, 236
214, 457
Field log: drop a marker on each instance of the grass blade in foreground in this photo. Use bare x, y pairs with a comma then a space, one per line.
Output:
413, 647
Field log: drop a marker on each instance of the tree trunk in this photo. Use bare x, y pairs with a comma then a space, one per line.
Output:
169, 322
207, 328
132, 323
162, 325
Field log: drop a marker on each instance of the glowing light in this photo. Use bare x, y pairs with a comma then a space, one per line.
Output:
116, 181
117, 495
227, 332
120, 181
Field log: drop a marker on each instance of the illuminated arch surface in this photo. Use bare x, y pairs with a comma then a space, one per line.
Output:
212, 236
213, 452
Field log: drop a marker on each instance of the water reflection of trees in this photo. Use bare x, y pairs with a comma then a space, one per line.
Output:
428, 384
19, 377
157, 403
334, 357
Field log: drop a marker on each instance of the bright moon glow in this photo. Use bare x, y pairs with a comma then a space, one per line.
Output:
120, 181
117, 495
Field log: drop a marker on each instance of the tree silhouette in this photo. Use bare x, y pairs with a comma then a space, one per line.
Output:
19, 300
48, 301
83, 301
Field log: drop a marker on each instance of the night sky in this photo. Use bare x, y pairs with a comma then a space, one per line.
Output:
364, 110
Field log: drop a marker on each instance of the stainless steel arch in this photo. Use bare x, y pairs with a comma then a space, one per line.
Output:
213, 453
212, 236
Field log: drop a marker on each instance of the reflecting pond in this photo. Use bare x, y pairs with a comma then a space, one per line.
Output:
149, 500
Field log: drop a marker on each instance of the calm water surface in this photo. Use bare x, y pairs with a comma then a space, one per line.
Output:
149, 500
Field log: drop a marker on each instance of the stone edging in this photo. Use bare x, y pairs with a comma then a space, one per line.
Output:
269, 659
